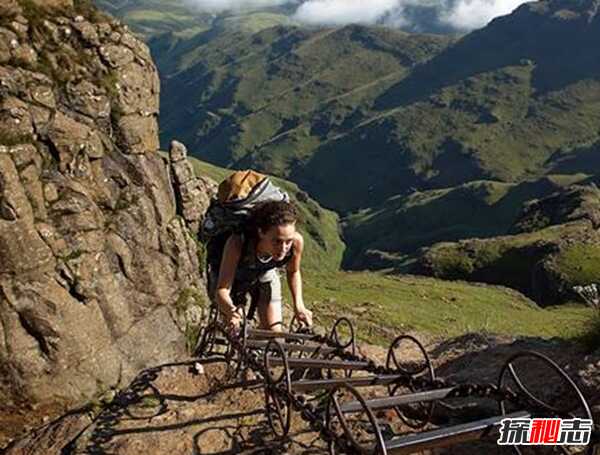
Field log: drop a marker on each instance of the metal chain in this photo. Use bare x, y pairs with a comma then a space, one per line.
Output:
313, 416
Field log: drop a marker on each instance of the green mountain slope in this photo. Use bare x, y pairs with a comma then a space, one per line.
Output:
180, 20
390, 234
270, 99
330, 106
554, 247
152, 17
382, 306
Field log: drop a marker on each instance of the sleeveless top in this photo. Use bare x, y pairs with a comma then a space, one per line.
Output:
250, 269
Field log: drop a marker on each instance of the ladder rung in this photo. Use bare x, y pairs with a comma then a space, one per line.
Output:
320, 363
317, 384
390, 402
444, 437
260, 333
289, 347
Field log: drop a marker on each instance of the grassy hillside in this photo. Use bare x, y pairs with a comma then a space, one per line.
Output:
180, 20
269, 100
153, 17
555, 248
382, 306
330, 106
389, 234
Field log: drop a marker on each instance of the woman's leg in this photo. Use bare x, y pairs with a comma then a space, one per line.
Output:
269, 302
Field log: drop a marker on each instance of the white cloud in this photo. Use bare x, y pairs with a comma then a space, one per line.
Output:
471, 14
459, 14
339, 12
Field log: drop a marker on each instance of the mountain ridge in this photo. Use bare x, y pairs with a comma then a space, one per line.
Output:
465, 121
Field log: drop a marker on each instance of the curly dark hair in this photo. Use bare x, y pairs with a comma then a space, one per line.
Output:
273, 213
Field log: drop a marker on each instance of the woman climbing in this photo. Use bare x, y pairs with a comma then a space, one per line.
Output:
250, 262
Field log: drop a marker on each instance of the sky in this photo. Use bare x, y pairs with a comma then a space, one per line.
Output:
461, 15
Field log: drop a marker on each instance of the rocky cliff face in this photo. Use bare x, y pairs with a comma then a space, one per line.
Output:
95, 263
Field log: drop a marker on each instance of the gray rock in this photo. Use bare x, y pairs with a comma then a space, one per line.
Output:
116, 56
19, 28
9, 8
7, 37
93, 256
88, 99
193, 193
60, 4
138, 133
15, 118
177, 152
25, 54
73, 141
43, 94
88, 32
138, 90
183, 172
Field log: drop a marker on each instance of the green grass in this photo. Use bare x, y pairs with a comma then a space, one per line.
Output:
544, 264
382, 306
150, 18
256, 22
590, 337
507, 254
482, 209
279, 77
579, 264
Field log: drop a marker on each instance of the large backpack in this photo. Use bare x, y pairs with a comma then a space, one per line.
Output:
230, 210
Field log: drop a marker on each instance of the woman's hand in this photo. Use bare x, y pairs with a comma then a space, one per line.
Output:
304, 315
232, 317
235, 322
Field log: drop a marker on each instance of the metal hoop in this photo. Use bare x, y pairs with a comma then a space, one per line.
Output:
508, 367
427, 368
334, 335
540, 403
392, 361
335, 339
277, 407
334, 410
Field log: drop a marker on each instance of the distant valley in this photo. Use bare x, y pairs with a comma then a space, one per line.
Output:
412, 138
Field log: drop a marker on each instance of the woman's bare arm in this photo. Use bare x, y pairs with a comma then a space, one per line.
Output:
229, 262
294, 280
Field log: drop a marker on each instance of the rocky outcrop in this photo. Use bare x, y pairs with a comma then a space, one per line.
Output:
579, 202
94, 255
193, 193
